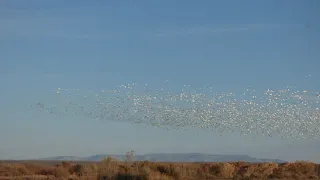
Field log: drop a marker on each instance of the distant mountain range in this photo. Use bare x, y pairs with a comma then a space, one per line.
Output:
183, 157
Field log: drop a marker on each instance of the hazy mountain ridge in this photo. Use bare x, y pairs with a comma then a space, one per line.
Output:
170, 157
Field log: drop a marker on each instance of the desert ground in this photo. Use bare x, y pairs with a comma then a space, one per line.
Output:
112, 169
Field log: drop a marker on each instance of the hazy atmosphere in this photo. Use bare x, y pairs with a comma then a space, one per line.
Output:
228, 45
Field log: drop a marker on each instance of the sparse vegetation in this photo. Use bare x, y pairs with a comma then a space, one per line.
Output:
112, 169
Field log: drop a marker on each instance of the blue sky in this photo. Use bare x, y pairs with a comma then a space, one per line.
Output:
228, 45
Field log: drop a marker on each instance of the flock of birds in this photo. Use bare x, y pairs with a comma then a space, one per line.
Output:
285, 112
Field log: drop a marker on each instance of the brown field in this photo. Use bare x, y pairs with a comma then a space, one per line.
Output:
111, 169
